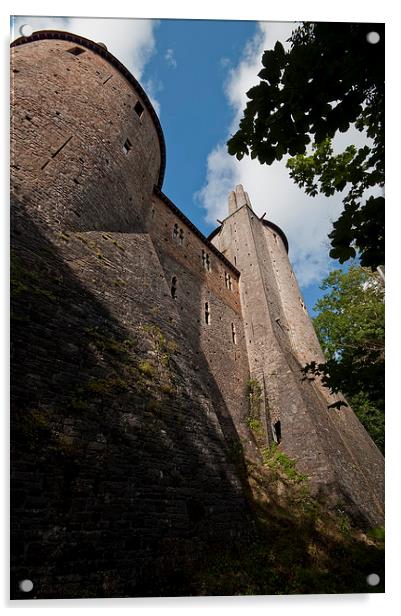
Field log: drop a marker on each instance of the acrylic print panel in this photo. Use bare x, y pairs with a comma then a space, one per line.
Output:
167, 436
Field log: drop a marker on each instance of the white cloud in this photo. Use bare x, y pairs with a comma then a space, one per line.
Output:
131, 41
244, 76
306, 221
152, 87
170, 58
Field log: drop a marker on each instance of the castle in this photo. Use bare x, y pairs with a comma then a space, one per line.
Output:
138, 342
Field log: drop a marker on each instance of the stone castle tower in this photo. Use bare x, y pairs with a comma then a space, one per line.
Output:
134, 338
332, 447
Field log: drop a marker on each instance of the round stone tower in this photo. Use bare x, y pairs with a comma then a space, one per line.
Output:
300, 330
86, 144
329, 445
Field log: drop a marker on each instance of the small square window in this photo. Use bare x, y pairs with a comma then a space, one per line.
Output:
76, 51
127, 146
139, 109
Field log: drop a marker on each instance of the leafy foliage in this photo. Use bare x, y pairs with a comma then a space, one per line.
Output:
350, 327
330, 78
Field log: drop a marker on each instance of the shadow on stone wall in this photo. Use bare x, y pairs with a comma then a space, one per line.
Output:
126, 467
120, 472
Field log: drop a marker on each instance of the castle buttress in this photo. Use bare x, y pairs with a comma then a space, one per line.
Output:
135, 340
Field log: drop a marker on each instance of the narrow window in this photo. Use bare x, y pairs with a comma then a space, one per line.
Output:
174, 287
233, 333
181, 237
302, 304
152, 213
235, 260
276, 430
206, 261
76, 51
138, 109
226, 279
127, 146
207, 313
275, 237
175, 232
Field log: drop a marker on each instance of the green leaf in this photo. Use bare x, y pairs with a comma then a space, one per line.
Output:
329, 78
350, 328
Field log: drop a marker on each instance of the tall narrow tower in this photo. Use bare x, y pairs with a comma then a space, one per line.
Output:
330, 445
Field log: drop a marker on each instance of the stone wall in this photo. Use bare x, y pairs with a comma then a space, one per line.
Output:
301, 331
72, 115
123, 444
203, 277
125, 450
330, 445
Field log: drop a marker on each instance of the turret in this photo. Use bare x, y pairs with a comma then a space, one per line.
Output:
86, 137
329, 445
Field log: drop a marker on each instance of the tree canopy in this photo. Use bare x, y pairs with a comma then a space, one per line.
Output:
350, 328
332, 77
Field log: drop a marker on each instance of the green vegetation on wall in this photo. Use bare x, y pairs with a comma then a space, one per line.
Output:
254, 422
276, 459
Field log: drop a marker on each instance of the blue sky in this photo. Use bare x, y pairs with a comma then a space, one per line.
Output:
193, 107
197, 73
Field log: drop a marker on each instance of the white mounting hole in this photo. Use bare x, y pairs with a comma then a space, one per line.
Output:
373, 37
373, 579
26, 30
26, 585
